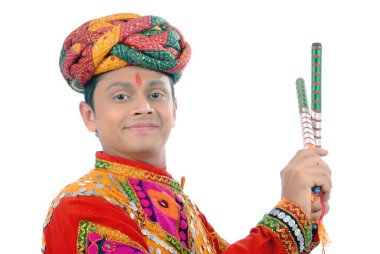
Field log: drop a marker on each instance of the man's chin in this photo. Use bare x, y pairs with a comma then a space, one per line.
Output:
143, 149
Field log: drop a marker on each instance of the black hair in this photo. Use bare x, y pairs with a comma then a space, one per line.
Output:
90, 88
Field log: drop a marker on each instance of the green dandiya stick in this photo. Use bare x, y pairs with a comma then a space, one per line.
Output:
312, 124
316, 90
306, 122
316, 110
304, 112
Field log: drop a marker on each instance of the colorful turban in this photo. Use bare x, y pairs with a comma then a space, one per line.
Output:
119, 40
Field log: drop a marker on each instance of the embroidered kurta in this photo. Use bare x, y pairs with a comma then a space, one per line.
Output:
124, 206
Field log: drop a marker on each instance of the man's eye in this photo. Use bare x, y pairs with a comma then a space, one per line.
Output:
120, 97
156, 95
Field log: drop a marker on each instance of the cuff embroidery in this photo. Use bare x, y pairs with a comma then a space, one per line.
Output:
289, 222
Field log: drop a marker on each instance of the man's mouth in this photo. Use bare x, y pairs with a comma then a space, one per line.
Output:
142, 127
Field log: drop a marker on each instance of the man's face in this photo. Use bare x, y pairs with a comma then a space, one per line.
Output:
134, 112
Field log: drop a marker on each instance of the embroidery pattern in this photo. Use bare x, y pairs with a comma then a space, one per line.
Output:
222, 244
290, 224
281, 231
122, 169
94, 237
178, 230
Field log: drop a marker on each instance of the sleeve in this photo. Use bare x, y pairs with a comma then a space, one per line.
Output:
284, 230
84, 224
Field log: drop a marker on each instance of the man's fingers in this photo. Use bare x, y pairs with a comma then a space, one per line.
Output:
326, 196
304, 171
315, 160
307, 152
316, 206
323, 181
327, 208
316, 214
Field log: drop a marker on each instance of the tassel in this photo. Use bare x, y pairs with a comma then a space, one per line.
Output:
323, 237
183, 182
322, 233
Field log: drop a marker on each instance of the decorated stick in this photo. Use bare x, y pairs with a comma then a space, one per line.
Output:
306, 123
315, 120
309, 142
304, 111
316, 90
316, 110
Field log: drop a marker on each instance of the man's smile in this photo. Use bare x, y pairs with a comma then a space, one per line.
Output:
142, 127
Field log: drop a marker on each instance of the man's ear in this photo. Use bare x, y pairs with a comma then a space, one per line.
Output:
88, 116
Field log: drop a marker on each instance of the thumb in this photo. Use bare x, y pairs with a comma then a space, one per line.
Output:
321, 152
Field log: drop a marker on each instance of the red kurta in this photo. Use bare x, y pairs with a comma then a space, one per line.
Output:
124, 206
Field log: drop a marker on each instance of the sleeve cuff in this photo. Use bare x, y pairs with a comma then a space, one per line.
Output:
290, 223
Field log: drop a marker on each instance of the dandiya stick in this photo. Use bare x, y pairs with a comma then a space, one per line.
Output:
309, 142
316, 91
304, 112
306, 123
316, 110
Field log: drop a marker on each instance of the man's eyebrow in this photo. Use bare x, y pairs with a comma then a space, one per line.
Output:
152, 83
156, 83
122, 84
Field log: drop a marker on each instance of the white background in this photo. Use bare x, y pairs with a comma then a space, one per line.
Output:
237, 123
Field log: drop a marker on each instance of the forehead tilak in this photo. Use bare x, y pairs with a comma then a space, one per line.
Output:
138, 80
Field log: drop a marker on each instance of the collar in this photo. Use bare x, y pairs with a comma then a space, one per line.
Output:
122, 166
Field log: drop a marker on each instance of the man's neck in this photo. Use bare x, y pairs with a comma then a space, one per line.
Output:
157, 160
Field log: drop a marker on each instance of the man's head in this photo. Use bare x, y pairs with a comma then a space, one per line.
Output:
134, 111
126, 65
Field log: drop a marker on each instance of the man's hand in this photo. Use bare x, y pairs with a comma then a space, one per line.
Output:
303, 172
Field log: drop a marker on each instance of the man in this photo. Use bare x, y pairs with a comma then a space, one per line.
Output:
126, 66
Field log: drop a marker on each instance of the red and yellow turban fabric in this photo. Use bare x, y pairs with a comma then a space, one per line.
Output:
119, 40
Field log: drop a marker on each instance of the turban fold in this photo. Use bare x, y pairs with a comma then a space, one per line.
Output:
120, 40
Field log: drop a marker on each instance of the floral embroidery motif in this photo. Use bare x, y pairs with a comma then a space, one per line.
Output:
94, 239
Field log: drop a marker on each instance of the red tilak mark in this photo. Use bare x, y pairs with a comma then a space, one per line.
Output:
138, 80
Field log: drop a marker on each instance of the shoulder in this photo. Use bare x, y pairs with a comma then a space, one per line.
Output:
97, 188
78, 219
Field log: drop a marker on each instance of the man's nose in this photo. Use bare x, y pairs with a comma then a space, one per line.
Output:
142, 106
